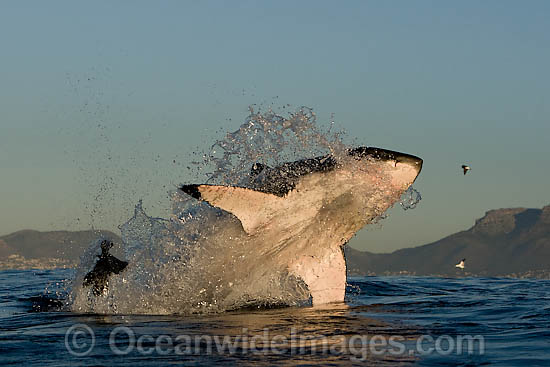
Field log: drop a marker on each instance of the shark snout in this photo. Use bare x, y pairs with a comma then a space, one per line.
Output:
410, 160
387, 155
403, 167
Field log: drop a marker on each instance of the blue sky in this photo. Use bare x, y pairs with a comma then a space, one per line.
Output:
98, 99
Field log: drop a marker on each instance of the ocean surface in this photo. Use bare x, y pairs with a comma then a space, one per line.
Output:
385, 321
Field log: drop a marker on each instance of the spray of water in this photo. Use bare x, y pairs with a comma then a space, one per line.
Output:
266, 138
410, 199
199, 260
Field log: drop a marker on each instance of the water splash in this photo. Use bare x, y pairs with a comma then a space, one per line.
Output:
268, 138
410, 198
199, 260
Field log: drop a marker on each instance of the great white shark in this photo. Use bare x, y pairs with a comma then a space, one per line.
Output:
299, 215
275, 240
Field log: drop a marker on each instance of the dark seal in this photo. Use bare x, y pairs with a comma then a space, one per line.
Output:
106, 265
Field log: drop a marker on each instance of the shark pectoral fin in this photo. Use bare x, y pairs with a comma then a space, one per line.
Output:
253, 208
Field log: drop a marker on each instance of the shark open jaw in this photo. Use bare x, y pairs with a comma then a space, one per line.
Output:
277, 240
307, 210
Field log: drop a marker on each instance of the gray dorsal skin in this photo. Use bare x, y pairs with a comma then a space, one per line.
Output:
256, 169
297, 216
282, 179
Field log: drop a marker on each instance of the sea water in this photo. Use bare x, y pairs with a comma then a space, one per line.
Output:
384, 321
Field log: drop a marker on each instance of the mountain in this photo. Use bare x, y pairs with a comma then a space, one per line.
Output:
28, 248
5, 250
504, 242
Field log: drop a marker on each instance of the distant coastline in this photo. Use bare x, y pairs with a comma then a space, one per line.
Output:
18, 262
29, 249
513, 242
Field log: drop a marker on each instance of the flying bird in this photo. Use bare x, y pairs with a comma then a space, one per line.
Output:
461, 264
465, 168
